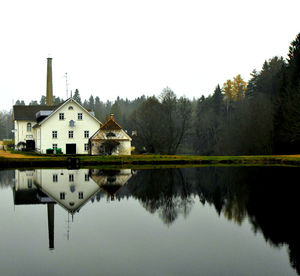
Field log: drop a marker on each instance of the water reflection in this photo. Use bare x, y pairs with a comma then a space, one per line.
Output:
71, 189
267, 197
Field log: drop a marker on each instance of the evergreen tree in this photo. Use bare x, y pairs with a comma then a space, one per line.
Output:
217, 101
76, 96
33, 103
43, 100
115, 109
91, 103
287, 127
18, 102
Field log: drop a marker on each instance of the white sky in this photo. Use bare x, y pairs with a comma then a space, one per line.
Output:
128, 48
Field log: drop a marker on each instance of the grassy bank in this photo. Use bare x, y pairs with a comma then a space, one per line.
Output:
39, 160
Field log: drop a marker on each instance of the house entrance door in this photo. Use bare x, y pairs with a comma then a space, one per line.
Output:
70, 148
30, 145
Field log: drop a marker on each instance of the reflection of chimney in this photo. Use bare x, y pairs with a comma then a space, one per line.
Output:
111, 116
50, 208
49, 96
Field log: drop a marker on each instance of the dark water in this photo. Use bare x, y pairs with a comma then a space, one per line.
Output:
195, 221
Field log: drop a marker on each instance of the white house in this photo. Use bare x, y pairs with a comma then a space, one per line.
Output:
24, 118
67, 126
110, 139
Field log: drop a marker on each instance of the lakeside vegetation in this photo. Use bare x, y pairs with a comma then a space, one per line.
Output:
144, 160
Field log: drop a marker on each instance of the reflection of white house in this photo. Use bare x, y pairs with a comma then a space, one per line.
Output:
111, 181
25, 190
69, 188
67, 126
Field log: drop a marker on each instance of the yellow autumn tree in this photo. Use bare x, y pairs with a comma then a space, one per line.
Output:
239, 88
234, 90
228, 90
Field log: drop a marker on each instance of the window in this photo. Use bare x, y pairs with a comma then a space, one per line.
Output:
71, 133
80, 195
86, 147
110, 134
61, 116
54, 146
71, 177
70, 107
54, 134
29, 183
86, 134
28, 127
62, 195
86, 177
54, 177
79, 116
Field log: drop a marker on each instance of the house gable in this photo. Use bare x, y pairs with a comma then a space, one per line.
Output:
110, 130
69, 101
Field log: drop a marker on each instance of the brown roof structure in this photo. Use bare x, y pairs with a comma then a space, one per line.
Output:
111, 124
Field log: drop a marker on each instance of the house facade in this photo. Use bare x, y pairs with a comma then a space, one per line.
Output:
110, 139
67, 126
24, 118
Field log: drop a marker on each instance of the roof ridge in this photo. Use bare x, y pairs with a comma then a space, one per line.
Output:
108, 121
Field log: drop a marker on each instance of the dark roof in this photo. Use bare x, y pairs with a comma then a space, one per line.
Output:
27, 112
111, 124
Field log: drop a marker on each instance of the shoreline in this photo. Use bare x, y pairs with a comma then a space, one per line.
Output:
30, 160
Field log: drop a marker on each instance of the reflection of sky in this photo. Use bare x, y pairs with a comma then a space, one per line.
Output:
122, 238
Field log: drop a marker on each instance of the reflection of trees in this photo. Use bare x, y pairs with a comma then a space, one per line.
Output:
6, 178
273, 209
163, 191
267, 196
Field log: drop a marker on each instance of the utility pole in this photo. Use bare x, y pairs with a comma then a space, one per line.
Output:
67, 84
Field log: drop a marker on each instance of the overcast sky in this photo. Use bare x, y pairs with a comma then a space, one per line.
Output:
128, 48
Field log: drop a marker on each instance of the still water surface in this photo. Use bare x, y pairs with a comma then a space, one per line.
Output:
193, 221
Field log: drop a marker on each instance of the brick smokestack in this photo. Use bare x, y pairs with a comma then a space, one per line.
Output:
49, 96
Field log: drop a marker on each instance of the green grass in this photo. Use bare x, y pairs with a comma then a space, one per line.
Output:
155, 160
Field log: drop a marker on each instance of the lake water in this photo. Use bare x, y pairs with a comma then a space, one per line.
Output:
191, 221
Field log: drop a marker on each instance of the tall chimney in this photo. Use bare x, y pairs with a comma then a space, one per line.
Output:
49, 96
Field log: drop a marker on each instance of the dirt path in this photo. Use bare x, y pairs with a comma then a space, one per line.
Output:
8, 154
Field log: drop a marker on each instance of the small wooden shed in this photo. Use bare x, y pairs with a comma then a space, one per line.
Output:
110, 139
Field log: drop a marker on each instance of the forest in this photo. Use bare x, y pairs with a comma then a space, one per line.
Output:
261, 116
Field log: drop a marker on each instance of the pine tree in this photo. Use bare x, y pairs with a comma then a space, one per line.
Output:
76, 96
287, 126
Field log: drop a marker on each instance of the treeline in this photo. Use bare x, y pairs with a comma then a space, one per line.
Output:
258, 117
6, 125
